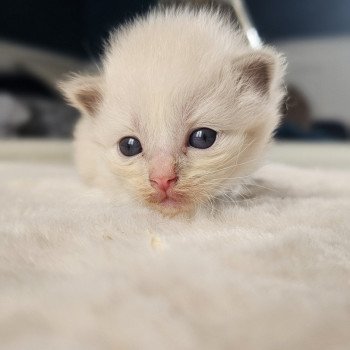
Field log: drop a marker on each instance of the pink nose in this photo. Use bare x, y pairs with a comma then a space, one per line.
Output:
163, 183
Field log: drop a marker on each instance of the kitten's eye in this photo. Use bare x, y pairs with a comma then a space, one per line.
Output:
130, 146
202, 138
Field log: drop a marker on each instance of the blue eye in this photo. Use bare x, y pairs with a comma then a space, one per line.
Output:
202, 138
130, 146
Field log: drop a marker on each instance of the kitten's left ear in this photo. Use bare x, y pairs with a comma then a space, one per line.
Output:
259, 71
83, 92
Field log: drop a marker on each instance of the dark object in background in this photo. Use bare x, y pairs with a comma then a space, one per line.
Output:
75, 27
330, 130
297, 123
296, 109
319, 131
29, 107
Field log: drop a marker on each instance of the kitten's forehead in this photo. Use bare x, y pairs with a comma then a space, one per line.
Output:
153, 104
165, 97
169, 68
161, 133
158, 87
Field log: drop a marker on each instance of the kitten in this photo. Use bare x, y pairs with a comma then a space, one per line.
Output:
181, 110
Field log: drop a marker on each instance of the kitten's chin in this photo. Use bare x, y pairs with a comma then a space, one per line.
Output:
171, 206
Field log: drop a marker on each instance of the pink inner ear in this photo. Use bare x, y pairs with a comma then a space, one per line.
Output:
89, 99
256, 71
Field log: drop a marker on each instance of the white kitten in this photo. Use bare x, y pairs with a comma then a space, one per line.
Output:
181, 111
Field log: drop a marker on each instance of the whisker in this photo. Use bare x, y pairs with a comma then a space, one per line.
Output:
224, 168
241, 151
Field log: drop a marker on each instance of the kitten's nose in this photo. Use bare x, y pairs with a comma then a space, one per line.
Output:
163, 182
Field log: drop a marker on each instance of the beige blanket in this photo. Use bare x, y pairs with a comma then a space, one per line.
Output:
80, 272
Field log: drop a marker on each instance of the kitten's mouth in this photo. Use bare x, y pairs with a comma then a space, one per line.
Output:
170, 199
169, 203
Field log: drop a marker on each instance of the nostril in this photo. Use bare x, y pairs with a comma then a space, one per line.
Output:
172, 180
154, 183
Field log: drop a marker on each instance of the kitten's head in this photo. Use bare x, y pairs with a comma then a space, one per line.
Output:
181, 111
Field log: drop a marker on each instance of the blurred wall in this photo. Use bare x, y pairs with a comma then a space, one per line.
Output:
315, 36
320, 68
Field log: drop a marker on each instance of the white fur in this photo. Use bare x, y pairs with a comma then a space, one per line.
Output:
162, 76
80, 273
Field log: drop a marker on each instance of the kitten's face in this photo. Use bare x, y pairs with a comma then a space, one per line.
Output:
174, 131
172, 153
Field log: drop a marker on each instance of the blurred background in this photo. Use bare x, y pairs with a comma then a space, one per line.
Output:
40, 41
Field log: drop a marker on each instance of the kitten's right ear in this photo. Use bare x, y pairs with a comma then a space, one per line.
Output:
83, 92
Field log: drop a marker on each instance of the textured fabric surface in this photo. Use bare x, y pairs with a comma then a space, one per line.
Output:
271, 271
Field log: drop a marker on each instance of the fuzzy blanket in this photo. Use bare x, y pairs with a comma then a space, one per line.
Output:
78, 272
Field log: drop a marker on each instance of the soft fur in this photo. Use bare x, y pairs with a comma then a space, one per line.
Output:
163, 76
80, 273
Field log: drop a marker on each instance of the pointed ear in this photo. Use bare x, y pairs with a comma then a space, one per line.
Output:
83, 92
258, 71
